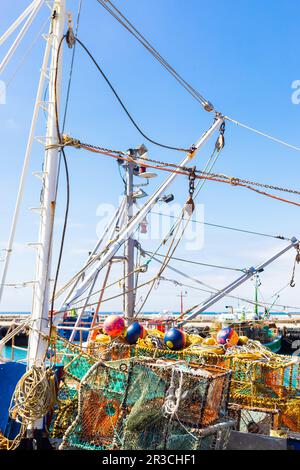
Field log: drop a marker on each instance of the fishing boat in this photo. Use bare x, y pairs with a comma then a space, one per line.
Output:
95, 383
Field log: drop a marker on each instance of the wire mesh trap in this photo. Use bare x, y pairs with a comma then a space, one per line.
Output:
130, 404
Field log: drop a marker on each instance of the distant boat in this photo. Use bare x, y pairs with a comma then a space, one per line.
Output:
253, 325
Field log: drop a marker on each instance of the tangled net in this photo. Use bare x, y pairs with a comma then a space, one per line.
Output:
261, 380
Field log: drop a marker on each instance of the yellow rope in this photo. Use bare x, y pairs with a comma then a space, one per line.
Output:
34, 395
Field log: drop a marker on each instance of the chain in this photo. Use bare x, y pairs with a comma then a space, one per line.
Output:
69, 141
235, 181
192, 177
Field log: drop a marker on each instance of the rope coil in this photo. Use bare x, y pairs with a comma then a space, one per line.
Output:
34, 395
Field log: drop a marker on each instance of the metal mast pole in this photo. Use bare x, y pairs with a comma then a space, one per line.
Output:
38, 341
129, 247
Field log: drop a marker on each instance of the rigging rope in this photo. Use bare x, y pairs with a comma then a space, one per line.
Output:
26, 54
121, 18
263, 134
34, 395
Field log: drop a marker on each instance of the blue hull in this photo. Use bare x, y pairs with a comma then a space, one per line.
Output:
10, 374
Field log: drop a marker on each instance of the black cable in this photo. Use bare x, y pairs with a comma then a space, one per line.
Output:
62, 237
68, 191
123, 105
150, 253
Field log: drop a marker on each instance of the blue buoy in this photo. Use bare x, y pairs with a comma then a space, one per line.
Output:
174, 339
134, 332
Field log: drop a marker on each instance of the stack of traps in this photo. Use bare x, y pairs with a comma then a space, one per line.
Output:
147, 405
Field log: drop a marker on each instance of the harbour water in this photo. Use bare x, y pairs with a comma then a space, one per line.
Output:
160, 313
19, 355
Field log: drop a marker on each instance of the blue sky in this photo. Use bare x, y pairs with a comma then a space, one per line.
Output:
241, 55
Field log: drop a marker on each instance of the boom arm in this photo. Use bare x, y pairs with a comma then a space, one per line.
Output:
248, 274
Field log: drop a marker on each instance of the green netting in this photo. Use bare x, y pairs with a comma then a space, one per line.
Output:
165, 402
64, 412
128, 404
268, 382
76, 363
100, 398
211, 438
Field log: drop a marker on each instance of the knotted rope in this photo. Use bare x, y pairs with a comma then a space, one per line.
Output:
34, 395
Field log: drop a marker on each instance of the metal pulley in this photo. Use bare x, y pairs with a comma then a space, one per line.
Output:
208, 106
70, 37
221, 139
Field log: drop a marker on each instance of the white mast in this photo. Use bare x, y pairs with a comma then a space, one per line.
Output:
38, 342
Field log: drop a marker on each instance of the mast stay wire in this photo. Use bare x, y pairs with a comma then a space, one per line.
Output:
195, 262
214, 290
226, 227
209, 165
120, 17
26, 54
89, 262
261, 304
